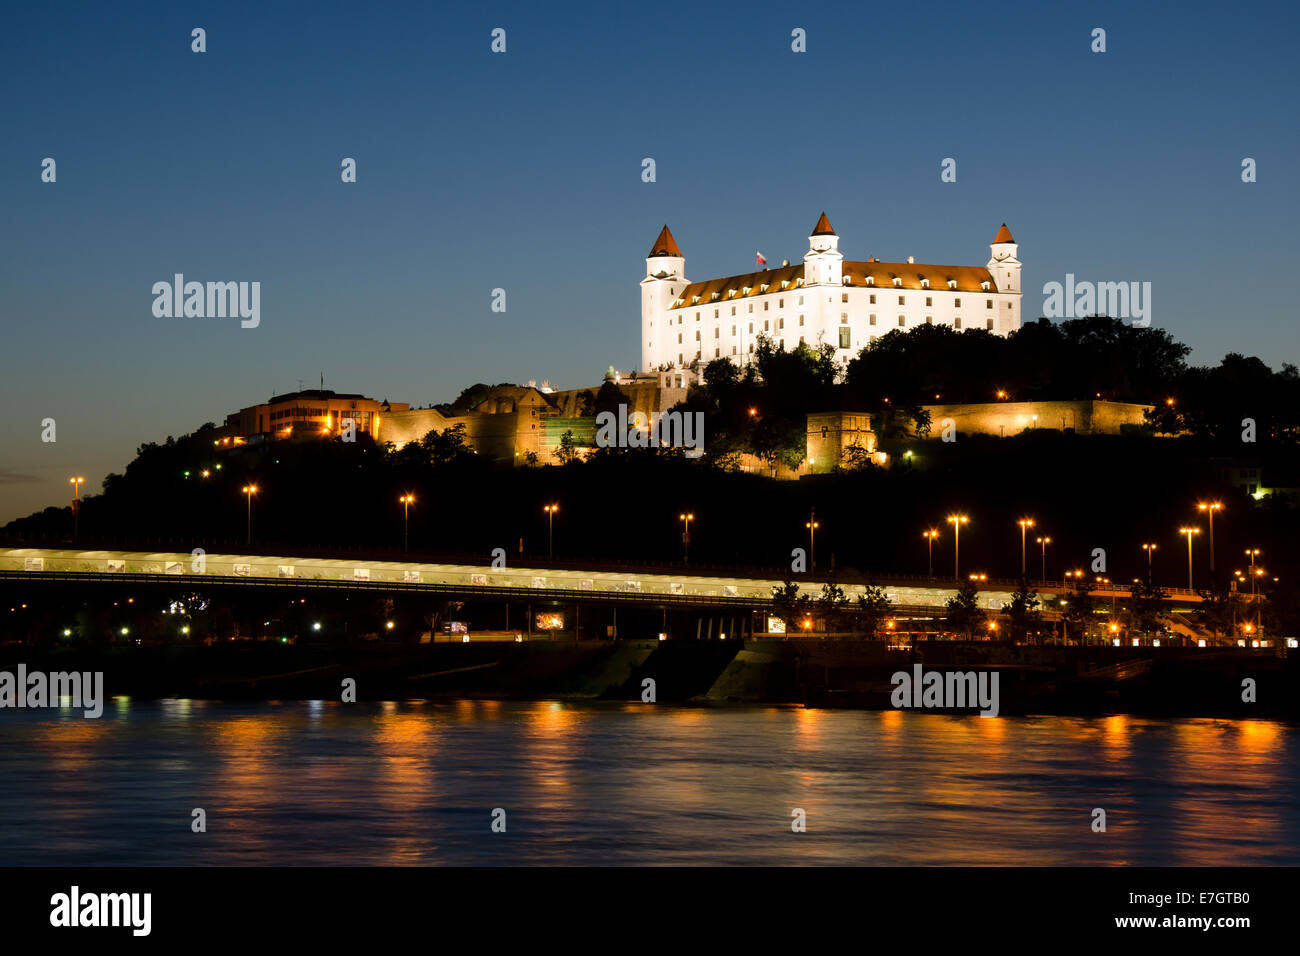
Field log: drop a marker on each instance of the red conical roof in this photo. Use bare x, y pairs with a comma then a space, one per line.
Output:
1004, 235
665, 245
823, 227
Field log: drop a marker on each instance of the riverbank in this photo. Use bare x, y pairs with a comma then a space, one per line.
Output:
1193, 682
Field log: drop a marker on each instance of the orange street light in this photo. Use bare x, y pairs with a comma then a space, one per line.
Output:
550, 528
250, 490
406, 501
957, 521
1025, 525
812, 525
929, 537
1043, 542
1189, 532
1210, 507
76, 483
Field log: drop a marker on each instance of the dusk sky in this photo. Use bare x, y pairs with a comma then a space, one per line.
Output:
522, 171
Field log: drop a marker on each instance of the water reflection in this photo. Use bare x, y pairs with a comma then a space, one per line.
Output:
320, 782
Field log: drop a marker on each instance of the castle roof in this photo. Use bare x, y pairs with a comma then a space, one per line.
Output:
665, 245
1004, 235
882, 275
823, 227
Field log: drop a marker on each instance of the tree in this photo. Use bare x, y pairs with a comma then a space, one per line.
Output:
446, 446
1023, 611
789, 606
1145, 604
833, 606
568, 450
1081, 609
964, 613
872, 609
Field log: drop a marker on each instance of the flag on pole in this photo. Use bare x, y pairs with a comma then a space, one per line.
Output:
759, 257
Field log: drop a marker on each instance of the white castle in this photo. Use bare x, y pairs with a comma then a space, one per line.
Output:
826, 299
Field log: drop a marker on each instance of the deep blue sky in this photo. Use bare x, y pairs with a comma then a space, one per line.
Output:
522, 171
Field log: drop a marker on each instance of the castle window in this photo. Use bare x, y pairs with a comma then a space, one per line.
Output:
925, 283
929, 320
844, 297
715, 313
873, 300
697, 317
844, 316
988, 303
733, 330
897, 282
952, 283
871, 280
848, 280
989, 324
929, 301
902, 300
782, 344
844, 338
733, 310
780, 303
872, 319
751, 307
956, 323
697, 335
902, 321
801, 320
765, 305
984, 285
717, 352
715, 331
765, 322
763, 288
751, 328
780, 323
751, 348
957, 302
801, 300
679, 338
733, 350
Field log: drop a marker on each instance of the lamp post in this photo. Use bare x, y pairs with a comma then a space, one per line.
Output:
1149, 549
76, 483
956, 521
929, 537
406, 513
1210, 507
1043, 542
686, 519
1025, 524
250, 490
812, 527
550, 528
1253, 553
1189, 532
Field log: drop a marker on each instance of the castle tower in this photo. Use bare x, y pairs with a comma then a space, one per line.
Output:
823, 263
1003, 264
665, 278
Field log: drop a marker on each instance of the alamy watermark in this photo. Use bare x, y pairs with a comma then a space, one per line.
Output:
212, 300
950, 690
1078, 300
37, 689
657, 430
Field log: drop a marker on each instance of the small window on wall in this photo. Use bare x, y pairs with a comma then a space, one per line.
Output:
988, 303
902, 321
957, 303
844, 297
956, 323
873, 300
989, 325
871, 320
845, 340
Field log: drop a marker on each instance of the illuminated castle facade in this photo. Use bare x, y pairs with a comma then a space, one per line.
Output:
826, 299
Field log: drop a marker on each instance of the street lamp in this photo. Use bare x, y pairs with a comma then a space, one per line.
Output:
406, 500
686, 519
956, 521
929, 537
1042, 570
250, 490
1189, 532
812, 527
76, 483
1253, 553
1210, 507
550, 528
1149, 549
1025, 524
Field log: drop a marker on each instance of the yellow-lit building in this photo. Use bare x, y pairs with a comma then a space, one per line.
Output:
312, 412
